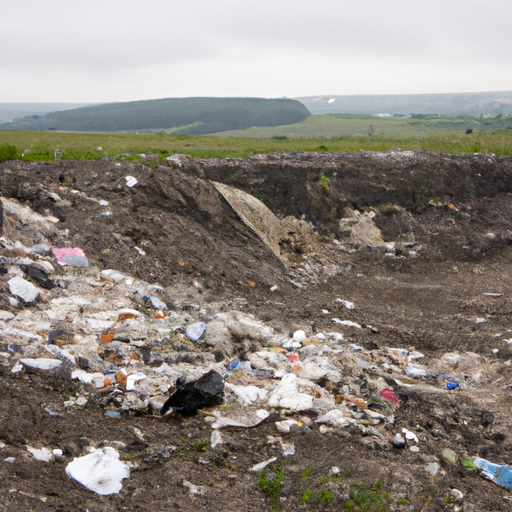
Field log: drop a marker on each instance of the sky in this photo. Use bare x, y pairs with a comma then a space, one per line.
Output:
125, 50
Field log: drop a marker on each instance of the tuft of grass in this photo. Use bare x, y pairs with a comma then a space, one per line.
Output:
199, 446
270, 480
368, 498
7, 152
326, 185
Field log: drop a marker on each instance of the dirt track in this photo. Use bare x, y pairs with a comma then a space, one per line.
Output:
451, 220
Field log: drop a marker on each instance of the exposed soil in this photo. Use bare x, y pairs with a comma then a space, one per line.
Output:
456, 210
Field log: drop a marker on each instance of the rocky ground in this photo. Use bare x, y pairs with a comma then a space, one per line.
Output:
337, 319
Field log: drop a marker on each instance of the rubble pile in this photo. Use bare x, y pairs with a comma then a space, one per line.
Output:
258, 387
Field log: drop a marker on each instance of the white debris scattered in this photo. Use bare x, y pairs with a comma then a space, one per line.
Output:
100, 471
258, 467
346, 303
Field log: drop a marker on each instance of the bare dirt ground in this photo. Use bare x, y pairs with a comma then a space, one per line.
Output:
451, 220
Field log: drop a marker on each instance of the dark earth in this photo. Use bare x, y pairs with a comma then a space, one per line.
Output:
456, 209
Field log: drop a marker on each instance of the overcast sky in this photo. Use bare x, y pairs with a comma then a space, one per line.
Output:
123, 50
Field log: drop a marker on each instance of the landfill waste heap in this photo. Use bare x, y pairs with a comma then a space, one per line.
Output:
287, 332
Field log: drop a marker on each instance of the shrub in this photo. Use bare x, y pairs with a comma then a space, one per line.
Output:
7, 152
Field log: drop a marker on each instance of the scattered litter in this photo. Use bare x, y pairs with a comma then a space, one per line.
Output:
100, 471
449, 456
433, 468
258, 467
73, 257
346, 303
132, 379
42, 454
131, 181
194, 489
207, 391
348, 323
195, 331
497, 473
451, 385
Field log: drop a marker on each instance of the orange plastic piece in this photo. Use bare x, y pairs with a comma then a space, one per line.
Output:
293, 357
107, 382
252, 284
159, 315
297, 367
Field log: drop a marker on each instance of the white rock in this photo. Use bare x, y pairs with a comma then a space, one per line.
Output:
41, 363
23, 289
5, 316
101, 471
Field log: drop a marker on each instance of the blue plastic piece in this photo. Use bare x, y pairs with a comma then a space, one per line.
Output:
233, 365
451, 385
501, 475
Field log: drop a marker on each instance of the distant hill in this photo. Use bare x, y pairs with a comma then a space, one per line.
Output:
10, 111
474, 104
175, 115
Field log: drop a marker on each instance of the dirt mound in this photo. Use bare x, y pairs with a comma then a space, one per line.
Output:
419, 242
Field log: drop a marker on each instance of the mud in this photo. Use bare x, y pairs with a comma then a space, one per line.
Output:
450, 218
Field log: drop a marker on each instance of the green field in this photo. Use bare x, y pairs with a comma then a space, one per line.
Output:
318, 133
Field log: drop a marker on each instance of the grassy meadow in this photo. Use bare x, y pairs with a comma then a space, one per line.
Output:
318, 133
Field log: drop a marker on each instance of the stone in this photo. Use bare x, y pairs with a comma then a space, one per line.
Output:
23, 289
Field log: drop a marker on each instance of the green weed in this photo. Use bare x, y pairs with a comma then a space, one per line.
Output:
368, 498
306, 496
7, 152
199, 446
326, 185
270, 480
307, 472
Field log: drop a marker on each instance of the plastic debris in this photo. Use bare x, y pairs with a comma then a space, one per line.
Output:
73, 257
390, 396
131, 181
497, 473
101, 471
346, 303
195, 331
449, 456
433, 468
207, 391
348, 323
194, 489
258, 467
299, 336
451, 385
23, 289
42, 454
132, 379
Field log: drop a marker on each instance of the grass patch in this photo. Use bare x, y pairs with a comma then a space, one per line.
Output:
368, 498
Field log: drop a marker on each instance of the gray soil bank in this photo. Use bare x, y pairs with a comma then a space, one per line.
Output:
450, 219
